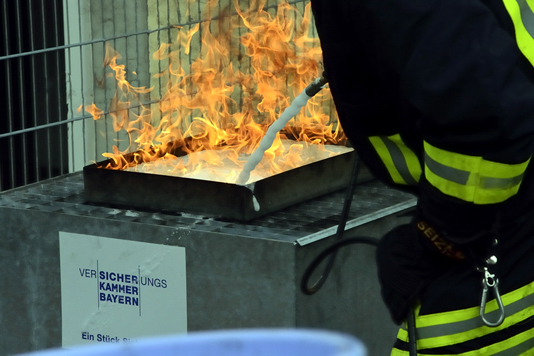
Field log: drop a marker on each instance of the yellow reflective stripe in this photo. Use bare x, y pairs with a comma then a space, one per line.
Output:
522, 16
515, 345
412, 162
472, 178
386, 158
397, 352
403, 335
518, 304
401, 162
520, 344
464, 314
475, 333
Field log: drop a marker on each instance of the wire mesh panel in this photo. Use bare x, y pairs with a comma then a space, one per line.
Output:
91, 28
85, 78
33, 146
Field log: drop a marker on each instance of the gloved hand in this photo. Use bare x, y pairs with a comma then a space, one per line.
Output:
409, 258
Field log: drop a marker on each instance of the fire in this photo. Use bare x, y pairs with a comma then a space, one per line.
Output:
215, 114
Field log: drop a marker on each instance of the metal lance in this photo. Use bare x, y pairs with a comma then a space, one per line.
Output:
267, 140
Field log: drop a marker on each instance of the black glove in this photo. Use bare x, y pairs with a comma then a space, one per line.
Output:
409, 258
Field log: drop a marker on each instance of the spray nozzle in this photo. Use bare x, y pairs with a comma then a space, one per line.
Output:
316, 86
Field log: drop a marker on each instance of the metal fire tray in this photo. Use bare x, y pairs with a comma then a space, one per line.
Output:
129, 189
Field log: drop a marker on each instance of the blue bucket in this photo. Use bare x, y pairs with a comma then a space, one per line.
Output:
250, 342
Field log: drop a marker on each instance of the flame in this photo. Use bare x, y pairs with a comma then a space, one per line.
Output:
218, 111
94, 111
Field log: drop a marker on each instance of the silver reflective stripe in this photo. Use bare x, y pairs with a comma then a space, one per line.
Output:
500, 183
473, 323
399, 160
446, 172
527, 16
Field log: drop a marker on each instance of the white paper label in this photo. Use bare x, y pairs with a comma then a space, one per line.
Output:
115, 291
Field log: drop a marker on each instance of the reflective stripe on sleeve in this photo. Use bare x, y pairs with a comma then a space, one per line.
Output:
472, 178
522, 16
401, 162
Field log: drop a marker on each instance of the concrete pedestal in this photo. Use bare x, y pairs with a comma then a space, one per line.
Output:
238, 276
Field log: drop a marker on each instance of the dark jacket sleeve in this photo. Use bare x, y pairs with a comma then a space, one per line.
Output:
363, 88
452, 71
458, 67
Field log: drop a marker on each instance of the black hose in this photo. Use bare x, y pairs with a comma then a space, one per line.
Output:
339, 235
412, 339
331, 251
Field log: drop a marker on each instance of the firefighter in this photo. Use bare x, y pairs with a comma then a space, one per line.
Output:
437, 96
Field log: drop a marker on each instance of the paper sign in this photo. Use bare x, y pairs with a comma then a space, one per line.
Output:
115, 291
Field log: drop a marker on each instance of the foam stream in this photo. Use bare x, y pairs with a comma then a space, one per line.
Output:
267, 140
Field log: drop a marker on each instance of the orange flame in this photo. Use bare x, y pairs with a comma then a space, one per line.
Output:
94, 111
230, 95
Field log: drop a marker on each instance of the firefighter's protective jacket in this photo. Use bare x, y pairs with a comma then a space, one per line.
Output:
438, 98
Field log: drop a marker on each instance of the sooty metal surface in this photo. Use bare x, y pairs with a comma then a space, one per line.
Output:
302, 223
215, 199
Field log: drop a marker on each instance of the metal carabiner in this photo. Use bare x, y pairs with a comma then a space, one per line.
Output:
489, 281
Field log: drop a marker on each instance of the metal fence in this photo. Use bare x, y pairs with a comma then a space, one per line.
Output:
51, 64
33, 80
